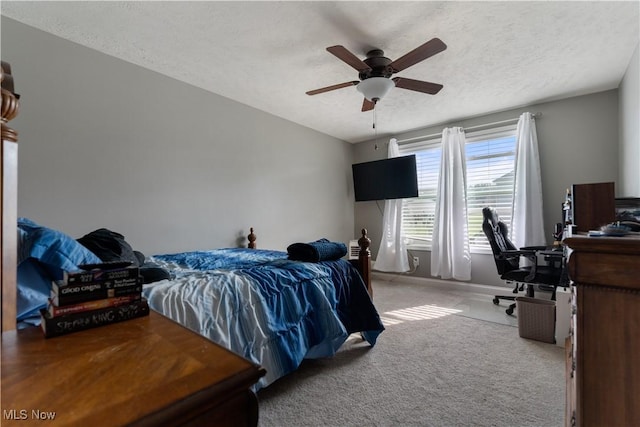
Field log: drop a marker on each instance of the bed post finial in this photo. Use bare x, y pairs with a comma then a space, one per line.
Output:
10, 104
252, 239
364, 242
364, 260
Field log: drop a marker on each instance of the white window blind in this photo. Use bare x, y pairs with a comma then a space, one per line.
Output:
490, 182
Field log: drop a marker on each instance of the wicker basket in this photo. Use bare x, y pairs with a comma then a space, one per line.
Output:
536, 319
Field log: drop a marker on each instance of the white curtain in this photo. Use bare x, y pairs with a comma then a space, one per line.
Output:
527, 224
450, 254
392, 255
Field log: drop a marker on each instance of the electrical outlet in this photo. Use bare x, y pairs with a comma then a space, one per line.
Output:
416, 262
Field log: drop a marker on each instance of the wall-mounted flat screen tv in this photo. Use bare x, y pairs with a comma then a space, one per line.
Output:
394, 178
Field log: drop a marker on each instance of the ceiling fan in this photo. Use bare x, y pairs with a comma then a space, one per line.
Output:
376, 70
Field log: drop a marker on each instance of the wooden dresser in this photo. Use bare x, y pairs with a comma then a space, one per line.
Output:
146, 371
603, 364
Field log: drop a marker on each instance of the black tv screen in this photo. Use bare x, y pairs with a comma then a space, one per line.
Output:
394, 178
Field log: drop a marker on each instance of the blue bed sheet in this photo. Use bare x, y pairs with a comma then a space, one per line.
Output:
271, 310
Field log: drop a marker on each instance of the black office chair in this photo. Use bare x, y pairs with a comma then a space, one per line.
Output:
507, 258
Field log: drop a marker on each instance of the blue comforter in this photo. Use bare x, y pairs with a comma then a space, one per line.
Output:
271, 310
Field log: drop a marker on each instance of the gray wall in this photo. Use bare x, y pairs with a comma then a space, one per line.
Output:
578, 143
104, 143
629, 177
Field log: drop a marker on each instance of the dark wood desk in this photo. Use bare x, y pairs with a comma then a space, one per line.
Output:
146, 371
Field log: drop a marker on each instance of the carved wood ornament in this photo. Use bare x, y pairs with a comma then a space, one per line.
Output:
9, 172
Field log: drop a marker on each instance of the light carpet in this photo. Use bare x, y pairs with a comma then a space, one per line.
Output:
432, 366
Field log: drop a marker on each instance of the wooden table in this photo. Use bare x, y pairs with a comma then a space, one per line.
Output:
145, 371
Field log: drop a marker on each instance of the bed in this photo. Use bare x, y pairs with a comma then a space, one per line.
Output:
263, 305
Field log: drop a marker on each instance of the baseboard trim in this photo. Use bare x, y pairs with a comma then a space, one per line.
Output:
442, 284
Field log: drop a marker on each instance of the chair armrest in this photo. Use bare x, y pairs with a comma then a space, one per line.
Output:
552, 254
530, 254
534, 248
514, 253
517, 252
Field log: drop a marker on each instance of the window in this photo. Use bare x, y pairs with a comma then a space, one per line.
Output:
418, 213
490, 182
491, 159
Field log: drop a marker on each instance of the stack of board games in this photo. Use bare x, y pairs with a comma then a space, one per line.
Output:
96, 295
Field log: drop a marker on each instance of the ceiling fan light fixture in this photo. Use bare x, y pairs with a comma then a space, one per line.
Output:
375, 88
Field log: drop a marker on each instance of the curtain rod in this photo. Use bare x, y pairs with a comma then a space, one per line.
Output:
433, 135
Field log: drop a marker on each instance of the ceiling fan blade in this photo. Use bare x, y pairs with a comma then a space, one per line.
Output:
333, 87
344, 55
368, 105
418, 54
417, 85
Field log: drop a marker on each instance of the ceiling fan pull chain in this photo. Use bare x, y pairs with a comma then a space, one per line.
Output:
375, 130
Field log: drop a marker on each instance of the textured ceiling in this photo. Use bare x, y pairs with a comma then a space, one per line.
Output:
266, 54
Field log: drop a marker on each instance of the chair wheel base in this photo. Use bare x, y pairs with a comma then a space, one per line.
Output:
496, 301
510, 310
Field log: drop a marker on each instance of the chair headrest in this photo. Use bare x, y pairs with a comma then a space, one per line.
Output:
491, 215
